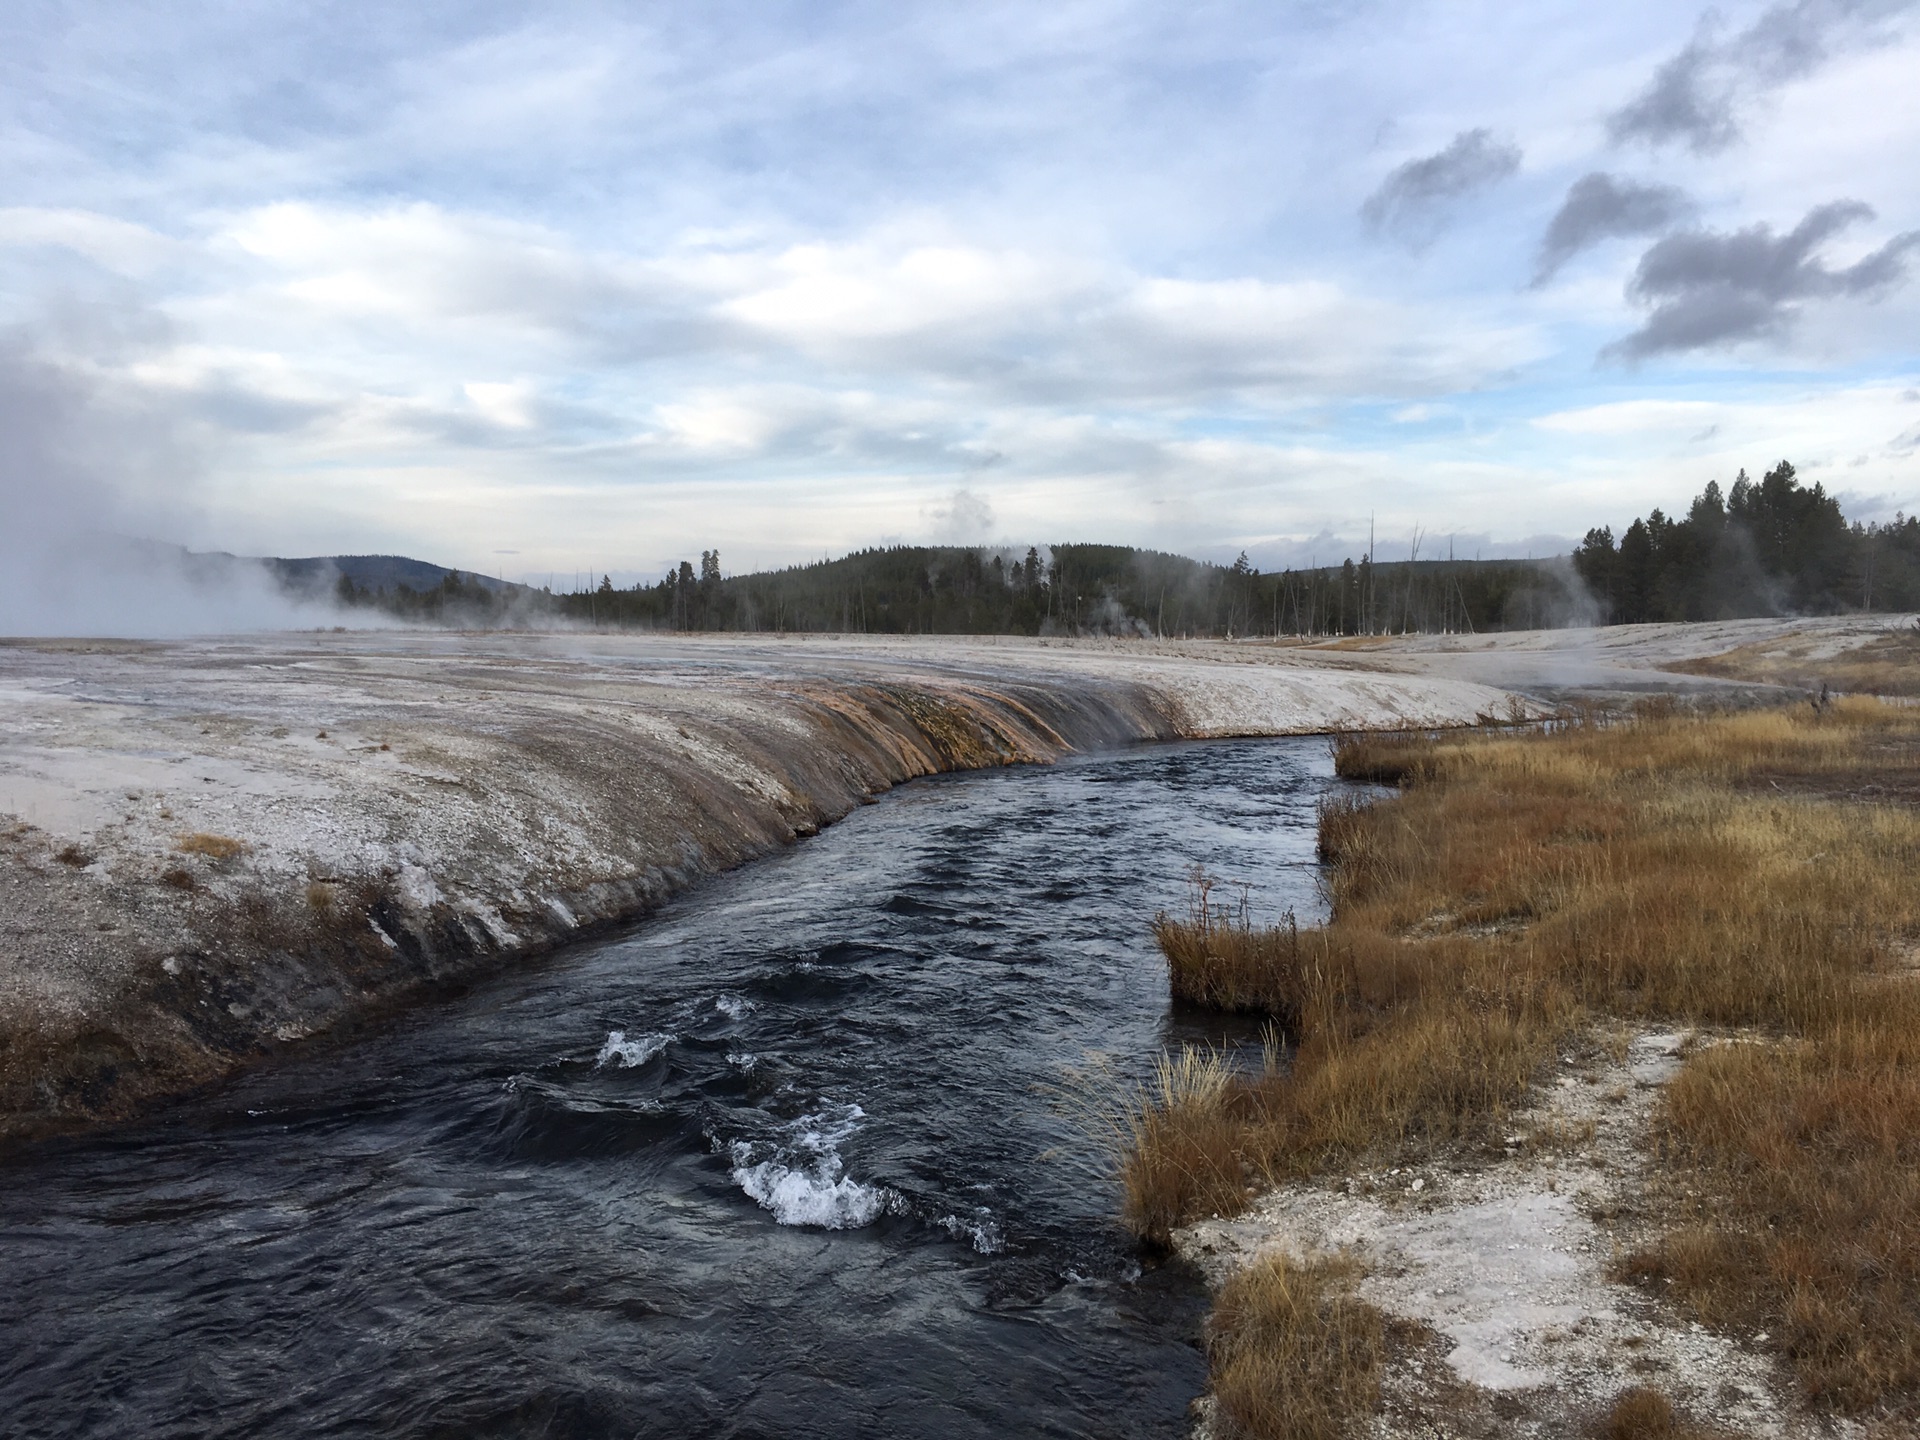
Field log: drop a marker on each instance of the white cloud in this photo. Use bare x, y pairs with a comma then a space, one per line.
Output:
1635, 417
826, 296
666, 279
117, 244
504, 402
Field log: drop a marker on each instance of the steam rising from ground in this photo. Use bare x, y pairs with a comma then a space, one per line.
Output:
81, 472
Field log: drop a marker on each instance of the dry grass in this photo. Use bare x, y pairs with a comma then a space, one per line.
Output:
1523, 886
1184, 1137
1805, 1225
1643, 1413
214, 847
1293, 1353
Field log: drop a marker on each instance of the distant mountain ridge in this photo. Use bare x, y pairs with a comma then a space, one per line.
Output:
375, 573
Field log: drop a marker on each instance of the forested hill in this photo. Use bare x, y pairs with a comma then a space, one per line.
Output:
1068, 590
1773, 547
1087, 590
1765, 548
375, 574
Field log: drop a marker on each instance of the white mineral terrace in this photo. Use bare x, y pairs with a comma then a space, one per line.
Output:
217, 845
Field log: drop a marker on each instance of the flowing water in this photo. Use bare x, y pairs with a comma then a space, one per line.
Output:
790, 1158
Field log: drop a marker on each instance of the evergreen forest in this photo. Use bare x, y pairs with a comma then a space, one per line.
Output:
1762, 548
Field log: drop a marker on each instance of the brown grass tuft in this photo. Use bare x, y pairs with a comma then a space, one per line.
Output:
1523, 886
1643, 1413
1185, 1146
214, 847
1382, 757
1640, 1413
179, 879
1294, 1354
73, 855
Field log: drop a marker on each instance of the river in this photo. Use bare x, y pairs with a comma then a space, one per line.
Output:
796, 1156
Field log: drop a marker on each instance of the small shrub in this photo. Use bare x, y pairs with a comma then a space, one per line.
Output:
179, 879
73, 855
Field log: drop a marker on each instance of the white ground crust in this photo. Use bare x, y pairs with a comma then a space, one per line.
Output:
1506, 1262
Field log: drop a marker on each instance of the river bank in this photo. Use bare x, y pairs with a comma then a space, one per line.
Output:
220, 848
1599, 1107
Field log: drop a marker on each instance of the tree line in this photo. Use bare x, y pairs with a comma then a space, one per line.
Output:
1762, 548
1070, 590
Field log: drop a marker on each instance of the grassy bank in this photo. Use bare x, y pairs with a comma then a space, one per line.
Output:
1743, 873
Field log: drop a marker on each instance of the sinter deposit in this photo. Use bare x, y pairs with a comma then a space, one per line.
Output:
223, 846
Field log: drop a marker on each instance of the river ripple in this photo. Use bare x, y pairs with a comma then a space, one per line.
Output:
786, 1159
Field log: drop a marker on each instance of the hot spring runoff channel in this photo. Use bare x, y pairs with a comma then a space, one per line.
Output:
788, 1158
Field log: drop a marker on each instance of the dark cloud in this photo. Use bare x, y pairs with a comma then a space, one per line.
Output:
1694, 98
1685, 101
1599, 207
1707, 288
1411, 202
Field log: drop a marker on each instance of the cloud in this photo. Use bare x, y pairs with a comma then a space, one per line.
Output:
1412, 202
111, 243
412, 300
1707, 288
1695, 97
1599, 207
634, 279
1685, 101
1667, 418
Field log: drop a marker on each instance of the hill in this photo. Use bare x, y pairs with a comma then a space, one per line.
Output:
375, 573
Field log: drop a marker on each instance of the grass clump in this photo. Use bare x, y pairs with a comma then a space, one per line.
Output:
1293, 1353
214, 847
1722, 870
1804, 1156
1642, 1413
1383, 757
1184, 1137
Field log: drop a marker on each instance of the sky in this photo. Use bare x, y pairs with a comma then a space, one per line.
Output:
579, 288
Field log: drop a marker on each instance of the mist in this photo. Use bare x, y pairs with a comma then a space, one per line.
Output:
86, 474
